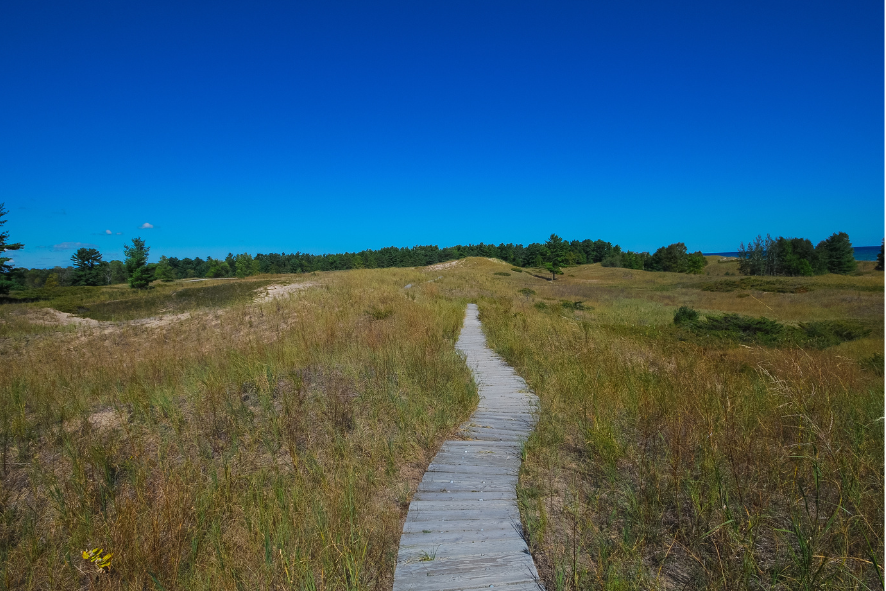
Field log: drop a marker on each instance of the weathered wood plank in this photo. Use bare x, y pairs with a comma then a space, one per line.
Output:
463, 528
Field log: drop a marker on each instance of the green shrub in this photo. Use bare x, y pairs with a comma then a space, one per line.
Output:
502, 273
527, 292
516, 269
567, 305
685, 314
833, 332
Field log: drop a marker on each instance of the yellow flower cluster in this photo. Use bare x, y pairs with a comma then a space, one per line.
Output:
95, 556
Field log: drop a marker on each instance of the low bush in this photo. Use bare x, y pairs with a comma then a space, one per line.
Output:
502, 273
764, 331
685, 314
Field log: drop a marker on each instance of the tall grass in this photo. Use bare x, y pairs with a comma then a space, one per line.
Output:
278, 445
258, 446
663, 463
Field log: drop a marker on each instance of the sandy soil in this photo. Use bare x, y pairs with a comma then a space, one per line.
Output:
273, 292
441, 266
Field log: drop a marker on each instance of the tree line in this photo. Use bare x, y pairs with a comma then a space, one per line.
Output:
797, 256
761, 256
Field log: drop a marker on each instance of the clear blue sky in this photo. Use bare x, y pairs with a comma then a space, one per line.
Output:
332, 126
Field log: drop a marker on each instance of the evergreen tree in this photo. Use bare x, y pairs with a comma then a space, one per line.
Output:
140, 276
163, 271
87, 267
555, 256
839, 254
5, 268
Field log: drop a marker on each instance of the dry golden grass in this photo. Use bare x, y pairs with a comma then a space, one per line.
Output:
276, 445
256, 446
663, 462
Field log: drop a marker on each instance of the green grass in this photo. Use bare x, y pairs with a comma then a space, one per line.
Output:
277, 445
119, 302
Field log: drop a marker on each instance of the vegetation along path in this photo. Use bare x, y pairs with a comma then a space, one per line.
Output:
463, 527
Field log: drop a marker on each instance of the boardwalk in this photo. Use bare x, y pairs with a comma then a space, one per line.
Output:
463, 527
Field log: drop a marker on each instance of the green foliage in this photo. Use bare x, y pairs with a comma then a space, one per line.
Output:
821, 334
246, 266
833, 332
140, 276
555, 255
163, 271
217, 269
502, 273
753, 283
685, 314
695, 263
516, 269
796, 256
5, 283
526, 292
569, 305
87, 267
118, 272
838, 253
671, 258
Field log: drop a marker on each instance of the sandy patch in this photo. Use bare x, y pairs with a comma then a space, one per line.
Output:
273, 292
446, 265
48, 316
105, 419
156, 321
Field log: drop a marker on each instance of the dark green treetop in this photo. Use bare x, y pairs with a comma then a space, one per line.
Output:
87, 267
555, 255
140, 276
5, 267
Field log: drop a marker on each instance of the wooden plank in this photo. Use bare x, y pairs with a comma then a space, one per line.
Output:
463, 527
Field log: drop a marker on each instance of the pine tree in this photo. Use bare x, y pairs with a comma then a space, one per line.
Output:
555, 253
5, 267
840, 254
87, 267
164, 271
140, 276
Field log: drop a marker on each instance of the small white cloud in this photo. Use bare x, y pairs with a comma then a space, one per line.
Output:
146, 226
108, 232
119, 233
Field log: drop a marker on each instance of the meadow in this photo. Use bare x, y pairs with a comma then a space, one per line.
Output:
247, 444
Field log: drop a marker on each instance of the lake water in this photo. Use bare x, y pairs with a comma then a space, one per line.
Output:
862, 253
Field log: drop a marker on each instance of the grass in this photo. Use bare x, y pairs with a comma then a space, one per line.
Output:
119, 302
250, 446
277, 445
699, 464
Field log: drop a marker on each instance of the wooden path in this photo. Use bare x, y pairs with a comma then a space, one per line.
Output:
463, 528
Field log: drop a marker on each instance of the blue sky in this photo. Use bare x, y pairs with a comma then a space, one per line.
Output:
333, 126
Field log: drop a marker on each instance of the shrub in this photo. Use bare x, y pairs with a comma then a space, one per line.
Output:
526, 292
516, 269
685, 314
833, 332
567, 305
502, 273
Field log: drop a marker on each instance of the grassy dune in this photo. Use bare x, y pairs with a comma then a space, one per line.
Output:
276, 445
664, 462
247, 447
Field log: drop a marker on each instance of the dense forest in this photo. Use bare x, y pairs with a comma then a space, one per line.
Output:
762, 256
